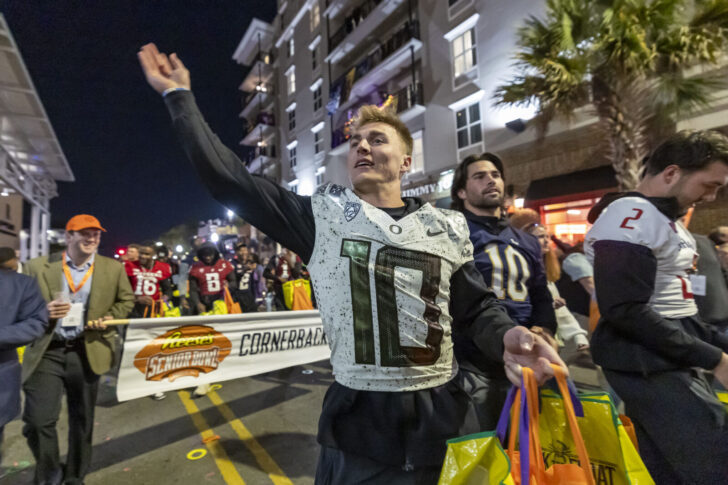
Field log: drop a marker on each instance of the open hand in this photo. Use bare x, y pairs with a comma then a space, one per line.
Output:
526, 349
163, 72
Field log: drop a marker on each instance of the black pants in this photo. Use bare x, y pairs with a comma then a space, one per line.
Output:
488, 395
682, 427
60, 369
336, 467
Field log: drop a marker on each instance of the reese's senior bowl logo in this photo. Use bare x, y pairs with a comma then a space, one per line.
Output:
182, 351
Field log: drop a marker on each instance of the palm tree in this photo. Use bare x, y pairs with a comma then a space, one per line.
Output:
642, 64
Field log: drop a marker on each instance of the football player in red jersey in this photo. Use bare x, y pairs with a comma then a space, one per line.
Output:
149, 279
207, 277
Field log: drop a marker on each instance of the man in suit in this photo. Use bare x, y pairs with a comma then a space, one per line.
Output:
23, 319
83, 289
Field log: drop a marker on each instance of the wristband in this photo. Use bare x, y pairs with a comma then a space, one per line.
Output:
171, 90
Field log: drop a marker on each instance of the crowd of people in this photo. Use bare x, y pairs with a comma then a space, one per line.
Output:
203, 277
431, 314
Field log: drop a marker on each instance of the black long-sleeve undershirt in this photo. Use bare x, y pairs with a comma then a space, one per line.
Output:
288, 218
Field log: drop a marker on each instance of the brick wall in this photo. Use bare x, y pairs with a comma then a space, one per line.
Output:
555, 155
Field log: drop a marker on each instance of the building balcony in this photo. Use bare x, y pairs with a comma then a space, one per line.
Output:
408, 103
262, 94
260, 158
260, 72
390, 58
261, 127
358, 26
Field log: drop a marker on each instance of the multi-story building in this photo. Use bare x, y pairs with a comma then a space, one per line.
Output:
31, 158
438, 64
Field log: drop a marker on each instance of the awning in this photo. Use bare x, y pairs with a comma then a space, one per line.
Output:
594, 179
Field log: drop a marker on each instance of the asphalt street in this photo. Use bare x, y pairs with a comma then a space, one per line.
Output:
257, 430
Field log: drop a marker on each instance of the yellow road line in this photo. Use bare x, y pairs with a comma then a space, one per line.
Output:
227, 469
265, 461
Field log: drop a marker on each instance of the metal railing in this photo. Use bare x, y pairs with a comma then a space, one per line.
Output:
352, 21
265, 57
261, 118
261, 87
404, 99
410, 30
260, 151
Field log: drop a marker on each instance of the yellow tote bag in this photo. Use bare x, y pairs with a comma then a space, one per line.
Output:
297, 294
476, 459
614, 459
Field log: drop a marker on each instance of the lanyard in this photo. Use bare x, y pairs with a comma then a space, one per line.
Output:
69, 278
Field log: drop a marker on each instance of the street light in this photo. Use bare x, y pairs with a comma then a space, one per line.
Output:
230, 214
214, 237
158, 243
179, 248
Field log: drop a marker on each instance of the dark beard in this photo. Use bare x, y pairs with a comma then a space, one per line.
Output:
489, 203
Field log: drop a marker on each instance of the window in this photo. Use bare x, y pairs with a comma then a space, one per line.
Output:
292, 156
418, 156
320, 176
291, 80
464, 54
314, 58
315, 15
317, 101
318, 142
291, 47
467, 121
292, 119
294, 186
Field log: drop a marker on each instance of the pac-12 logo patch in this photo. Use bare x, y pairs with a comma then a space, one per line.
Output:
351, 209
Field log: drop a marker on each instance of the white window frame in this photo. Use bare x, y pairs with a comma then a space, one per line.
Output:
291, 80
457, 8
292, 153
468, 125
293, 185
318, 138
315, 14
291, 47
317, 87
418, 135
315, 54
291, 110
473, 73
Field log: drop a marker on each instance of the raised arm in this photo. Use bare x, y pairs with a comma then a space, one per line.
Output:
281, 214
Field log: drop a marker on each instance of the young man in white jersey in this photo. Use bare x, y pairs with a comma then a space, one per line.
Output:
650, 342
394, 277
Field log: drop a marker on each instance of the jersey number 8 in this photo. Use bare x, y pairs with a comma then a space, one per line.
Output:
213, 282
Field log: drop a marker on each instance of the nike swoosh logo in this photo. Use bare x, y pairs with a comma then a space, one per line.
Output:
432, 234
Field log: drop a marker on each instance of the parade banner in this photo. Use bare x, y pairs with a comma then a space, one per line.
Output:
166, 354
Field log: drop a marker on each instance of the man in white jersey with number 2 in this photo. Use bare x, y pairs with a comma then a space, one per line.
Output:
650, 342
394, 278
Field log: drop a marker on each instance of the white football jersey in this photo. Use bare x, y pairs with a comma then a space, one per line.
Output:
383, 289
636, 220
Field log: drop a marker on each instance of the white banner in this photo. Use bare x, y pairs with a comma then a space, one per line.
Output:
166, 354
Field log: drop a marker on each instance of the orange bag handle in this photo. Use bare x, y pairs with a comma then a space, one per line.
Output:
532, 388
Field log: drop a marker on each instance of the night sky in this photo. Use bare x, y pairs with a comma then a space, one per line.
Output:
113, 128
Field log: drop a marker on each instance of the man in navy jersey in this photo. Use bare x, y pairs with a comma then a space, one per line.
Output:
393, 277
511, 264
